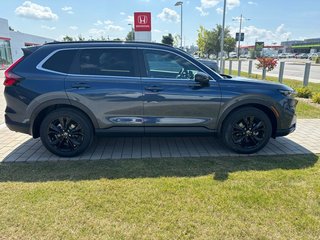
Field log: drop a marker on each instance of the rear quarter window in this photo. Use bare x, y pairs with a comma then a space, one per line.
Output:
61, 61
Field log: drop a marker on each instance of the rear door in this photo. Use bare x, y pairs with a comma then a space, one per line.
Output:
107, 82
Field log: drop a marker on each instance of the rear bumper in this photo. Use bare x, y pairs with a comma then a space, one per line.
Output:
17, 126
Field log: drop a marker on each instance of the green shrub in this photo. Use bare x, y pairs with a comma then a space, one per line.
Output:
304, 92
316, 98
318, 60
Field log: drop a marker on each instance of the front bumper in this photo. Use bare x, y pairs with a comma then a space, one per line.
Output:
285, 132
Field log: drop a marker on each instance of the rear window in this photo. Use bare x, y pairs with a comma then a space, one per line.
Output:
61, 61
106, 62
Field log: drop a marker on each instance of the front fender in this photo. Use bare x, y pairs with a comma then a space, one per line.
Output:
247, 100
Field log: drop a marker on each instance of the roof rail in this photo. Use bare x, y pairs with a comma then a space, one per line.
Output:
124, 42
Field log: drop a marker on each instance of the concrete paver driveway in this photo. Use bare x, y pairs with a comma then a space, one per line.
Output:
16, 147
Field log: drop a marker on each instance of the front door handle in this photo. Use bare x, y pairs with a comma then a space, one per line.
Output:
81, 85
153, 89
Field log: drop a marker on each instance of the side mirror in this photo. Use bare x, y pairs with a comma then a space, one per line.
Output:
202, 78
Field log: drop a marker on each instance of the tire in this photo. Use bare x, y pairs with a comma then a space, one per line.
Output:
246, 130
66, 132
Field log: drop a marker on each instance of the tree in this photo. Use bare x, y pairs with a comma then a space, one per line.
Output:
80, 38
67, 39
130, 36
202, 40
229, 44
168, 40
209, 41
176, 40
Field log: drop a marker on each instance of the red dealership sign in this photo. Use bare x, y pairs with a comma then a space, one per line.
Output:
142, 21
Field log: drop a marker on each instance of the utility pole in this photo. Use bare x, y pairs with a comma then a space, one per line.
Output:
181, 36
240, 29
222, 35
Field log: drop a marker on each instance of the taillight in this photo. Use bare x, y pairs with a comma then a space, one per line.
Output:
11, 78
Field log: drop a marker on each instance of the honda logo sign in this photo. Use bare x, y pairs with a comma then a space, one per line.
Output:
142, 21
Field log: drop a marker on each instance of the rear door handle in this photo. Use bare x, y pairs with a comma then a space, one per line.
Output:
81, 85
153, 89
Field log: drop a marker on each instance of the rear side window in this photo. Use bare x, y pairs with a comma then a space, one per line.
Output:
106, 62
60, 61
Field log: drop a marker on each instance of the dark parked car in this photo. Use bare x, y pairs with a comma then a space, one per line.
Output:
211, 64
65, 93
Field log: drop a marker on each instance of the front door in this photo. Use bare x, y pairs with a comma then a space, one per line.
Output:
171, 97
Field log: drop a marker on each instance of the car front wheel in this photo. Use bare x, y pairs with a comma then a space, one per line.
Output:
66, 132
246, 130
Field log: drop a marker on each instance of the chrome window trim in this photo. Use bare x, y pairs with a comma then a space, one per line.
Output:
41, 68
164, 50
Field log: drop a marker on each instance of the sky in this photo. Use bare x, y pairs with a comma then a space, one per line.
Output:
271, 21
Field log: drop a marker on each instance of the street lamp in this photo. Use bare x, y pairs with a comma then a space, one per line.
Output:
181, 5
222, 36
240, 19
132, 34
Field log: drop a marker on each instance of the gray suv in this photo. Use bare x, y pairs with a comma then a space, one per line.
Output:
66, 93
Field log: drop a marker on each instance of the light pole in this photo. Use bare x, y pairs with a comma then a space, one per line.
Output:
132, 34
181, 5
240, 19
222, 35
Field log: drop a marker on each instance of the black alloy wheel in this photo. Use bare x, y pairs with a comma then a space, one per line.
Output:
66, 132
247, 130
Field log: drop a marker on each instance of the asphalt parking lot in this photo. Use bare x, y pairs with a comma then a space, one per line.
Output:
17, 147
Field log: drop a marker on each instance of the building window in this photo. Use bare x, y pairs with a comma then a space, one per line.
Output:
5, 52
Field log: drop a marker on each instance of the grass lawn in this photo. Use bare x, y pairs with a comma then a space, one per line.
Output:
198, 198
306, 111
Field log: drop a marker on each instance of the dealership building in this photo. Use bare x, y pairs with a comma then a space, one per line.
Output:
302, 46
11, 43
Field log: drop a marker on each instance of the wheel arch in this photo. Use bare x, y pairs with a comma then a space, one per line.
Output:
41, 111
271, 112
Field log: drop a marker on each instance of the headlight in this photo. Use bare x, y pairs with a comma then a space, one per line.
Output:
287, 93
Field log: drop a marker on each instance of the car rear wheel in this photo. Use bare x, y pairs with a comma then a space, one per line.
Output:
247, 130
66, 132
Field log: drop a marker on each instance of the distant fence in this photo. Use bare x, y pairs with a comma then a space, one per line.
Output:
281, 70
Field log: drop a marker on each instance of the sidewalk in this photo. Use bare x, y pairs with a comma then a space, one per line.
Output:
16, 147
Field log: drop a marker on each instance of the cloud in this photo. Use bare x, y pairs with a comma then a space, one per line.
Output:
207, 4
156, 31
100, 23
219, 10
114, 28
122, 13
35, 11
202, 12
129, 19
48, 27
252, 3
169, 15
67, 9
108, 22
97, 32
104, 27
74, 28
253, 33
232, 4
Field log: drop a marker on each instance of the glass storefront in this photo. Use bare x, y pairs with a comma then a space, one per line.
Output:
5, 52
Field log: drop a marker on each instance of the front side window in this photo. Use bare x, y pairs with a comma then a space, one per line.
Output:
107, 62
162, 64
61, 61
